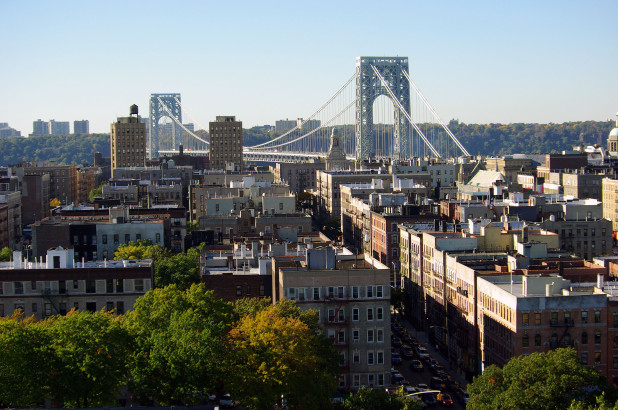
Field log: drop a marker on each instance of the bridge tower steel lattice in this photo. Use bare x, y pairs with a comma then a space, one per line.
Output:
368, 88
162, 106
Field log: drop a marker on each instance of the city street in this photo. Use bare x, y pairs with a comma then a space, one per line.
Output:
424, 376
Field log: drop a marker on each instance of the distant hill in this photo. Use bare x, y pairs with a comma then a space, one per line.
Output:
479, 139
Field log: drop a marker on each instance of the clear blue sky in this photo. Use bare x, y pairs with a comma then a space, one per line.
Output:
480, 62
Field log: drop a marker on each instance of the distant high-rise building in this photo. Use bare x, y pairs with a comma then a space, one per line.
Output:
6, 131
226, 143
40, 127
59, 127
282, 126
81, 127
128, 141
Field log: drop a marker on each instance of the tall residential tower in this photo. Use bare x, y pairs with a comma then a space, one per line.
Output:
128, 141
226, 143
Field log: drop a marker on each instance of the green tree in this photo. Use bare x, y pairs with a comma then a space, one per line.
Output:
25, 361
379, 399
182, 269
142, 249
96, 192
90, 351
6, 254
180, 343
601, 403
538, 381
277, 355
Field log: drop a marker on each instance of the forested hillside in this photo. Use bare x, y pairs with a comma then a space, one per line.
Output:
65, 149
483, 139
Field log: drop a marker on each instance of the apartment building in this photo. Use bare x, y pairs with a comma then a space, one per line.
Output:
352, 298
59, 285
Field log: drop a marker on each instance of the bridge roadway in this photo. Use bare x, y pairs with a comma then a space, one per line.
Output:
261, 156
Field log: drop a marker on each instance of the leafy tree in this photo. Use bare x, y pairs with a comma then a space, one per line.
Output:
54, 202
538, 381
6, 254
25, 360
96, 192
182, 269
90, 353
180, 339
275, 355
602, 403
142, 249
379, 399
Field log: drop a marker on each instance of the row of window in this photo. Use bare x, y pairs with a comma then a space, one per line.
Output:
335, 292
566, 340
367, 380
127, 238
50, 309
62, 286
566, 318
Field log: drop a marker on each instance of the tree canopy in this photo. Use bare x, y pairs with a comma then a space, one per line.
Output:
379, 399
539, 381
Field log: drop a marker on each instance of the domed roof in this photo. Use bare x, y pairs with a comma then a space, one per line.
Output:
614, 133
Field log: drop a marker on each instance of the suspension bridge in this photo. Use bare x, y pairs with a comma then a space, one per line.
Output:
379, 112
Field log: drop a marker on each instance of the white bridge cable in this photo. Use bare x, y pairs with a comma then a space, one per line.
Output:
310, 118
435, 114
310, 132
405, 113
179, 123
184, 110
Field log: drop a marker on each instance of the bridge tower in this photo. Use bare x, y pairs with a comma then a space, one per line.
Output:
368, 88
161, 106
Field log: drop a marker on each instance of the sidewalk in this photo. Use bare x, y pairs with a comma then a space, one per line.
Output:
423, 338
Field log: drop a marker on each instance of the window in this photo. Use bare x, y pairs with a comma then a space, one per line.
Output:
537, 319
127, 237
138, 285
331, 315
76, 305
316, 293
90, 286
585, 357
239, 290
356, 380
116, 239
341, 315
109, 306
370, 379
370, 358
525, 342
341, 336
379, 313
597, 357
48, 310
18, 287
301, 293
369, 313
567, 317
1, 310
537, 340
75, 284
354, 292
119, 285
104, 239
355, 314
35, 308
370, 336
597, 338
378, 291
380, 357
554, 318
615, 319
120, 308
340, 292
585, 338
355, 335
584, 316
331, 291
369, 291
33, 284
109, 285
356, 357
525, 318
380, 379
597, 316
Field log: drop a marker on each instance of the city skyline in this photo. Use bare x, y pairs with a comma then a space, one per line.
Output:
479, 63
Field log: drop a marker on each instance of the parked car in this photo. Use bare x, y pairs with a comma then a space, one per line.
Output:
226, 401
437, 383
410, 389
445, 399
396, 341
423, 353
416, 365
422, 387
396, 378
406, 352
429, 399
395, 358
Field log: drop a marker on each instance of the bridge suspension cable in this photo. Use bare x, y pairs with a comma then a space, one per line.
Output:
405, 113
299, 126
435, 114
185, 111
179, 123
